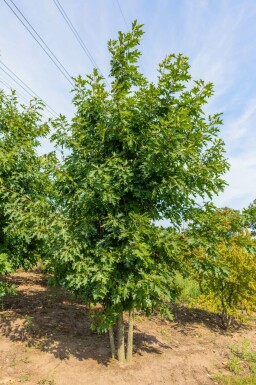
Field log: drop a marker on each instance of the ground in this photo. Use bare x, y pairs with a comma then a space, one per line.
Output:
46, 339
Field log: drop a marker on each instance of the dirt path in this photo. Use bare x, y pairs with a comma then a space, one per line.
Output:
46, 339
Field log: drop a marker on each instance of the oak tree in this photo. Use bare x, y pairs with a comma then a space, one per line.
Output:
136, 152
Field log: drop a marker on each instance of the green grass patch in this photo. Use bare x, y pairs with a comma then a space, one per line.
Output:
242, 365
188, 289
237, 380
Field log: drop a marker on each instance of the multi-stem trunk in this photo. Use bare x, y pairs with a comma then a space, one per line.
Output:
112, 342
120, 338
130, 337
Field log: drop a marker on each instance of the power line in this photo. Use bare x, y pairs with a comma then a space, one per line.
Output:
53, 58
19, 94
30, 89
121, 11
20, 84
125, 21
77, 36
7, 85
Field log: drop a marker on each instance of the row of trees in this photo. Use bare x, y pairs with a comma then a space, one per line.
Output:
134, 154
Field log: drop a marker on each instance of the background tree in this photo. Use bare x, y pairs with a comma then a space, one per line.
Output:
138, 152
21, 180
250, 217
223, 263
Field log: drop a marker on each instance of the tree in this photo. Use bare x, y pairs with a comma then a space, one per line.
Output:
250, 217
21, 181
223, 263
137, 153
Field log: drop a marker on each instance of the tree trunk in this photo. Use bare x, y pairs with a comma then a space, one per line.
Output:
112, 342
120, 338
227, 320
130, 337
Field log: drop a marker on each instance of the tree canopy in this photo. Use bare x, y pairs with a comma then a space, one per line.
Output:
250, 216
137, 152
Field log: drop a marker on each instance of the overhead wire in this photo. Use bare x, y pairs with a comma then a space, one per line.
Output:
77, 36
125, 21
52, 111
41, 42
121, 11
20, 84
19, 94
7, 85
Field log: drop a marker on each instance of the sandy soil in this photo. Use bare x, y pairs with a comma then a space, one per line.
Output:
46, 339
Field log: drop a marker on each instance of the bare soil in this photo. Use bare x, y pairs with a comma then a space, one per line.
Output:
46, 339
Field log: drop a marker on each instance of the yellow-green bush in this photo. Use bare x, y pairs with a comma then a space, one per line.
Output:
223, 262
232, 294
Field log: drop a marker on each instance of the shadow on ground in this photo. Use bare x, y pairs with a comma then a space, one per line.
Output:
48, 319
188, 318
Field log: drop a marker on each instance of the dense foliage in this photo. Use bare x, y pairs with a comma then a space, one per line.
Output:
224, 264
250, 217
137, 153
20, 180
132, 155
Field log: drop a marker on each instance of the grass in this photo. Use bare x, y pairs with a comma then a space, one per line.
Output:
25, 377
45, 381
26, 359
13, 363
242, 365
237, 380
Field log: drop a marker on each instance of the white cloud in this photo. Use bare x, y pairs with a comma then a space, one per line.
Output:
242, 182
245, 123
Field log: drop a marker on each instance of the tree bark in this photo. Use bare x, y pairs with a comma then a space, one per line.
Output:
120, 338
130, 337
112, 342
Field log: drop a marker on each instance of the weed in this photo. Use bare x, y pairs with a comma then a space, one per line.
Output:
24, 377
27, 349
242, 364
237, 380
246, 352
13, 363
45, 381
234, 365
28, 321
26, 359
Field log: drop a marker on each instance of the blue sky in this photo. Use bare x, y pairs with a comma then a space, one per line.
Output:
217, 35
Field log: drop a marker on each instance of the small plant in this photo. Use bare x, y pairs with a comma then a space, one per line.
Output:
26, 360
231, 380
13, 363
27, 349
246, 352
24, 377
234, 365
28, 322
242, 364
45, 381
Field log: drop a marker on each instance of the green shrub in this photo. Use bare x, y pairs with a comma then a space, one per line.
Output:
187, 288
223, 262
